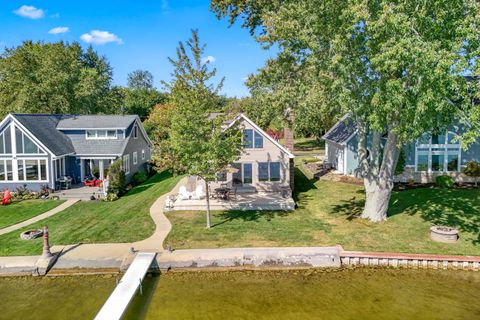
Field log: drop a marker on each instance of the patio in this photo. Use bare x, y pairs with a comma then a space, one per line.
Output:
79, 191
243, 201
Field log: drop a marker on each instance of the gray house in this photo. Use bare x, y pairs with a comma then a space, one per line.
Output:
40, 149
432, 155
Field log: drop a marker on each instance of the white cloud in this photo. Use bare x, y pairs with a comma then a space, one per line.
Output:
208, 59
30, 12
100, 37
59, 30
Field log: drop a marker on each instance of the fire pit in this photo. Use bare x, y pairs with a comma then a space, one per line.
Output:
443, 234
31, 234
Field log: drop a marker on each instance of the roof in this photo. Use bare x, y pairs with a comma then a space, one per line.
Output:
262, 132
44, 128
96, 122
342, 130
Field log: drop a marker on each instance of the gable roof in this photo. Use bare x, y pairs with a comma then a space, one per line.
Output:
43, 127
342, 130
262, 132
75, 122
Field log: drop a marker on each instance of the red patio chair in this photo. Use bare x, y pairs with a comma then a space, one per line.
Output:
7, 198
89, 183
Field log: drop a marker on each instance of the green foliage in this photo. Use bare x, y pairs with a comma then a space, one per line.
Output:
472, 170
38, 77
116, 176
444, 181
140, 177
400, 168
196, 144
140, 101
140, 79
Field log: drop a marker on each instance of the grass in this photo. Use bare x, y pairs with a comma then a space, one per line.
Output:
308, 146
326, 215
125, 220
24, 210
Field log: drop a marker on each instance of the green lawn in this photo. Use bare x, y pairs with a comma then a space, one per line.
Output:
24, 210
326, 216
125, 220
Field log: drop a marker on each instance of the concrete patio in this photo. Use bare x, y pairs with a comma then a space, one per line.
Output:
244, 201
80, 192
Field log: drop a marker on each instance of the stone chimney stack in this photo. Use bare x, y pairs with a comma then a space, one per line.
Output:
288, 130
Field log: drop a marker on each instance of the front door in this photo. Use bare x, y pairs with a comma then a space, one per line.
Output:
244, 174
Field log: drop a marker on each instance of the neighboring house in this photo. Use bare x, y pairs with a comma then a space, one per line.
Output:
428, 157
39, 149
264, 165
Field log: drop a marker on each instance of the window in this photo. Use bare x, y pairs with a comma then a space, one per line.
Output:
222, 176
135, 158
269, 171
101, 134
135, 132
6, 172
24, 144
143, 154
438, 152
247, 173
252, 139
32, 169
126, 163
248, 138
6, 142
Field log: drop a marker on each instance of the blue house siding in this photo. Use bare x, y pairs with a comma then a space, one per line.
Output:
136, 145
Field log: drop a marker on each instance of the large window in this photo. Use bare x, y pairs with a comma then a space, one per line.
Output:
438, 153
6, 170
24, 144
269, 171
6, 142
101, 134
126, 163
252, 139
32, 169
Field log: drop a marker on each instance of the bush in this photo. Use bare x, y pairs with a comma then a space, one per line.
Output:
444, 181
140, 177
472, 170
116, 177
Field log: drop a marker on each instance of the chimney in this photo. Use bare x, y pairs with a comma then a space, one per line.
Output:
288, 130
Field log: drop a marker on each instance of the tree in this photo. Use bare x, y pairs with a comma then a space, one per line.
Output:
196, 144
397, 67
53, 78
473, 170
140, 79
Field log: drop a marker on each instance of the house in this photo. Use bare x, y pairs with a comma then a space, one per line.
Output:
264, 164
39, 149
432, 155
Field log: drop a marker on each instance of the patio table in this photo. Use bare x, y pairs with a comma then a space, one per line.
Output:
223, 192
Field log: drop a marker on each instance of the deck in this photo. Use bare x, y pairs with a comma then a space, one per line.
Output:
80, 192
244, 201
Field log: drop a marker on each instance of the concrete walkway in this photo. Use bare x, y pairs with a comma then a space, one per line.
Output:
42, 216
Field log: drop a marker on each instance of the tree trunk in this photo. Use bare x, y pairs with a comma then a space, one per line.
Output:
207, 195
379, 184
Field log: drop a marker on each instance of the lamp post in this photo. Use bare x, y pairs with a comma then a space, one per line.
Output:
46, 246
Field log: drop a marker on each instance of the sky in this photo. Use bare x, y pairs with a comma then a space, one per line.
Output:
139, 34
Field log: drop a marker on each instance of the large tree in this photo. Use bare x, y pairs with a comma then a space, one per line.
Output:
196, 143
397, 67
53, 78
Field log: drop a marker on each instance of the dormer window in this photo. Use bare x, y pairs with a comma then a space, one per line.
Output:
101, 134
252, 139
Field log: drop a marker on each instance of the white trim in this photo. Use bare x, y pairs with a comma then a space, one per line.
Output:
86, 157
101, 138
126, 167
31, 135
24, 180
80, 129
241, 115
345, 152
143, 154
135, 157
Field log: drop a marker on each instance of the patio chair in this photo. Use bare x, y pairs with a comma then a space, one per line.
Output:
198, 194
183, 194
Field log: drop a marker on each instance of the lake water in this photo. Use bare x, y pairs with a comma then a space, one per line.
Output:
284, 294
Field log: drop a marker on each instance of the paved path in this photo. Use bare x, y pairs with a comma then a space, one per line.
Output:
42, 216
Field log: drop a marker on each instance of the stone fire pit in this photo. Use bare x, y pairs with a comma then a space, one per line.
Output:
443, 234
31, 234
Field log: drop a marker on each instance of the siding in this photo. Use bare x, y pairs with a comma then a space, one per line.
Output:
96, 146
136, 145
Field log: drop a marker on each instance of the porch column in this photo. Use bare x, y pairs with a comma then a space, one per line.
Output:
82, 170
100, 168
90, 165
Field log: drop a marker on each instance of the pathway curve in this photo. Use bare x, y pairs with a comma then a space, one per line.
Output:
42, 216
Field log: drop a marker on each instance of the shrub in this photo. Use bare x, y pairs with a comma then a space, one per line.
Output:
116, 178
472, 170
140, 177
444, 181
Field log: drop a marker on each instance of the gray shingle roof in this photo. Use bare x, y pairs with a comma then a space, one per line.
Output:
96, 122
342, 130
44, 128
